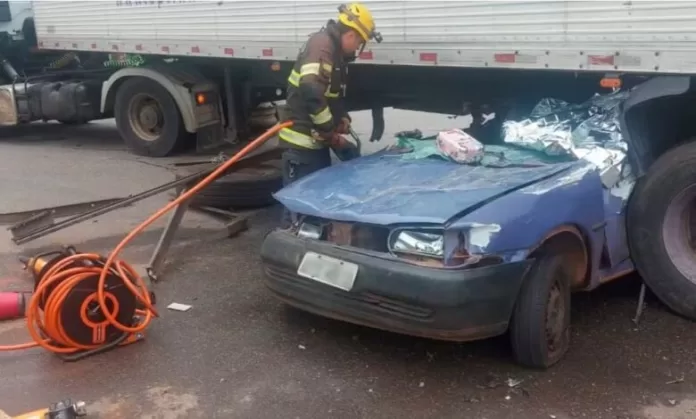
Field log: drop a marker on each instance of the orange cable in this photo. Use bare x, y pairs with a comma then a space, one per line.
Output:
49, 324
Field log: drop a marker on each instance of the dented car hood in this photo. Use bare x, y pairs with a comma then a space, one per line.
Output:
384, 189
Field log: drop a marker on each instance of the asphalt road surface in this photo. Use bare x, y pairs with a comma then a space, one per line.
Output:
238, 353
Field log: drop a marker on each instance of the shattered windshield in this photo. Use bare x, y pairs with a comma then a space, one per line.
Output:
554, 132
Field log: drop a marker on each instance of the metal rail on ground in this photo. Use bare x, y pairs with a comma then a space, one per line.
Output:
31, 225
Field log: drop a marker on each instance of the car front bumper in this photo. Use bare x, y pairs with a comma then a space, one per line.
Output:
393, 295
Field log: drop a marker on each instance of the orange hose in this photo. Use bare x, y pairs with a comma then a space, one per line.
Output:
50, 324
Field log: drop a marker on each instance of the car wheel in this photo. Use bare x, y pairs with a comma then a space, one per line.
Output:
148, 119
251, 187
540, 327
661, 229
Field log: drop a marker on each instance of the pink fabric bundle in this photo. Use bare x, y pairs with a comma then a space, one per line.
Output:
459, 146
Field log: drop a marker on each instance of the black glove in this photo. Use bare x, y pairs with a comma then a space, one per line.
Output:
347, 151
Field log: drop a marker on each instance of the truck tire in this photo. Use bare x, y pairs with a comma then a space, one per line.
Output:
148, 119
661, 229
540, 326
251, 187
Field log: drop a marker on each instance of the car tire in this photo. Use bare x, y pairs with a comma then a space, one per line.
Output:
661, 230
246, 188
540, 326
148, 119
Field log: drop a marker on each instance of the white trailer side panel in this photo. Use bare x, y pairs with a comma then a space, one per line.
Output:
628, 36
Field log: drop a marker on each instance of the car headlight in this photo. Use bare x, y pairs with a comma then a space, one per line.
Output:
310, 231
424, 243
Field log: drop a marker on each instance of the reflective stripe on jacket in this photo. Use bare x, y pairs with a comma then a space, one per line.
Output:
315, 88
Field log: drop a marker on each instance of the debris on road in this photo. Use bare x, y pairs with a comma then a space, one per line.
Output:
676, 381
179, 307
491, 382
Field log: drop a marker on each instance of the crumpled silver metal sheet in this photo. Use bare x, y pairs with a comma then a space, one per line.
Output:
588, 131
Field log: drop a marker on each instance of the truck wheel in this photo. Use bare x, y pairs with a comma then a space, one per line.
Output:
540, 327
148, 119
251, 187
661, 229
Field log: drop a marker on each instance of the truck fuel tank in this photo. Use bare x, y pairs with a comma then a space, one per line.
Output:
65, 101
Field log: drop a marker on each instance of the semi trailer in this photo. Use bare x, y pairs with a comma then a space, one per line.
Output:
175, 73
179, 74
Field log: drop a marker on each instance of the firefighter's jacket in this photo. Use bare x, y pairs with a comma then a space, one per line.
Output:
316, 88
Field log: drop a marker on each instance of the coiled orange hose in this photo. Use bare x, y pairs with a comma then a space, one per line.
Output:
48, 320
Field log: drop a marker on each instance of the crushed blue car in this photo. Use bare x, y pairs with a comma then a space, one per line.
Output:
406, 241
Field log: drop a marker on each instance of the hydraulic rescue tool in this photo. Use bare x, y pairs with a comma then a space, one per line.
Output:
86, 303
349, 153
358, 143
64, 409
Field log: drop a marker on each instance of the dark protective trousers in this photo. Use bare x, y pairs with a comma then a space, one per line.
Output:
298, 163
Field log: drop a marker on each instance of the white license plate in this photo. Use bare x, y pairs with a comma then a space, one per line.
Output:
328, 270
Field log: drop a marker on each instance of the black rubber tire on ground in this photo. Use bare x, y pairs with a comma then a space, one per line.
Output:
173, 136
546, 283
648, 206
246, 188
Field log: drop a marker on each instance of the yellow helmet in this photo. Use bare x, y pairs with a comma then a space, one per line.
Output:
359, 18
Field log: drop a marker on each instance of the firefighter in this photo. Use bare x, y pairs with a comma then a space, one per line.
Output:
316, 87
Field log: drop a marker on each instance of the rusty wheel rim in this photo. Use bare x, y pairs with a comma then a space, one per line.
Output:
146, 117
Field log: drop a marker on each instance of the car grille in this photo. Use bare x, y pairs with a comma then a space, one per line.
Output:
365, 300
